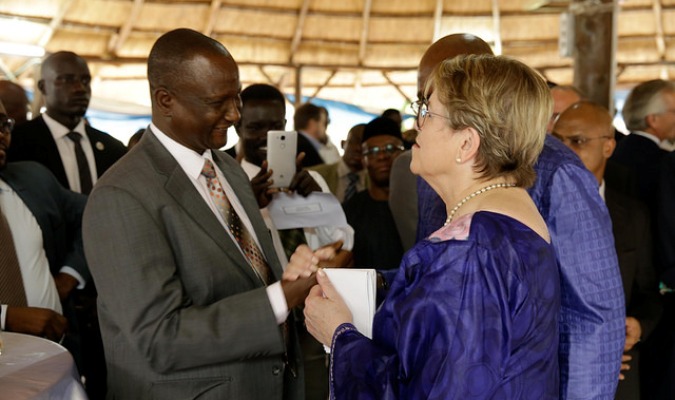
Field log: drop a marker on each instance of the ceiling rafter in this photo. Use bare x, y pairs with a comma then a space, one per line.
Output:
297, 36
325, 83
660, 37
363, 43
497, 26
213, 17
55, 23
118, 39
438, 20
396, 86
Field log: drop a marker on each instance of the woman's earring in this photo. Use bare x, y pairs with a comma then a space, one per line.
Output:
459, 160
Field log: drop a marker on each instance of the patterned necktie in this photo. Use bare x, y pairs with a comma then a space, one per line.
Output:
350, 191
237, 228
12, 291
82, 164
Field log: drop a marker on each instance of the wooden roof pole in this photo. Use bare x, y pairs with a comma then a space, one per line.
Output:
298, 86
213, 17
118, 39
497, 26
660, 36
397, 87
594, 42
295, 43
55, 23
325, 83
363, 43
438, 19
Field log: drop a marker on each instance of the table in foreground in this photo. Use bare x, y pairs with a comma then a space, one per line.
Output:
36, 368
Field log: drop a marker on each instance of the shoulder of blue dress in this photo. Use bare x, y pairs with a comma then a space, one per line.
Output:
458, 229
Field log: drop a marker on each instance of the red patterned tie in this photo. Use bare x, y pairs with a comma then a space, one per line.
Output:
12, 291
237, 228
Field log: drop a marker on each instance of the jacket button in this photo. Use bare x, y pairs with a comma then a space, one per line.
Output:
276, 370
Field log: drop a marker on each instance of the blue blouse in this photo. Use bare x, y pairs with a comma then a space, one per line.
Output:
472, 314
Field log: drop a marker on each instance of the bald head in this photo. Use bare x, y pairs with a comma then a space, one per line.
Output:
170, 57
586, 128
448, 47
14, 98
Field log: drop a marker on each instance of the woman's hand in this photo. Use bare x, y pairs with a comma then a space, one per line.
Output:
325, 310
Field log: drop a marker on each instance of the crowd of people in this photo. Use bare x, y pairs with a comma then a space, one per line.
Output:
523, 246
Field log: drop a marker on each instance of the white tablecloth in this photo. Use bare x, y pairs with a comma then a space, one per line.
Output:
36, 368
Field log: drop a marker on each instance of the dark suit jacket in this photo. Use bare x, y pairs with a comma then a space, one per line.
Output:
632, 238
32, 141
643, 157
312, 156
58, 212
182, 313
666, 219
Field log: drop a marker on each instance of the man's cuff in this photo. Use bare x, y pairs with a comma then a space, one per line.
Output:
278, 301
3, 316
70, 271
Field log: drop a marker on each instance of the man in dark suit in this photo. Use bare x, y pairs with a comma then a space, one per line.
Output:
311, 122
649, 113
586, 128
191, 301
41, 259
60, 139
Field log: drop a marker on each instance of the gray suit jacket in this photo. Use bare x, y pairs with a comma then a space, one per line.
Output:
182, 314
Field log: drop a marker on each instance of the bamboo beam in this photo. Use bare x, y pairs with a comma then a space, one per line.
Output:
297, 37
118, 39
318, 89
364, 30
55, 23
298, 85
213, 16
660, 36
438, 19
261, 68
397, 87
497, 26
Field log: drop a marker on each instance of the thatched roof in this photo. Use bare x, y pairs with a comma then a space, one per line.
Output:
360, 51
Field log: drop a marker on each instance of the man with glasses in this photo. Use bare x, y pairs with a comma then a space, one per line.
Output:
586, 128
376, 240
40, 247
60, 139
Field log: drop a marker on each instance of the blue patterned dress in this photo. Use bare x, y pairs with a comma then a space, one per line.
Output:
472, 314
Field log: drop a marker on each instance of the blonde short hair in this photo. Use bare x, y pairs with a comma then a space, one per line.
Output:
506, 102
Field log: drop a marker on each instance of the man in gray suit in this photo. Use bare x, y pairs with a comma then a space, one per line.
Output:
191, 301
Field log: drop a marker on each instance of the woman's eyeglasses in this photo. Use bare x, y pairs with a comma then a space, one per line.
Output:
421, 110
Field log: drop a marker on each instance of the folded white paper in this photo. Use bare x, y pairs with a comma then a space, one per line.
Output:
291, 210
357, 287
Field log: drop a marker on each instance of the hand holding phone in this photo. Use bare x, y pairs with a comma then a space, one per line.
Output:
281, 149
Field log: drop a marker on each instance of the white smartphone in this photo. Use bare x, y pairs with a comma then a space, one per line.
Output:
281, 152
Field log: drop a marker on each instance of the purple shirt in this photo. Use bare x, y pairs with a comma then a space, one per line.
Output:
592, 318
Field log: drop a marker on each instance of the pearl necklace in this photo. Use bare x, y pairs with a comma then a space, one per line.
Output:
474, 194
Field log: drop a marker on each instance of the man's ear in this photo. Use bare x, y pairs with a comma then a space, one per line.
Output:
164, 101
41, 86
608, 147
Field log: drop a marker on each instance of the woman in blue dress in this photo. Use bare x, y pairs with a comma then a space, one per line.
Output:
472, 313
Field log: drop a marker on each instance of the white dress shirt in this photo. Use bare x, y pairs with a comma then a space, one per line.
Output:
37, 278
66, 149
315, 237
192, 163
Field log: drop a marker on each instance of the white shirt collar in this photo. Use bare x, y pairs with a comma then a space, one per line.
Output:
601, 189
59, 131
648, 136
189, 160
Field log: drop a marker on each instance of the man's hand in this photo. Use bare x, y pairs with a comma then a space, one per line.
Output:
65, 284
633, 333
302, 182
36, 321
261, 186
